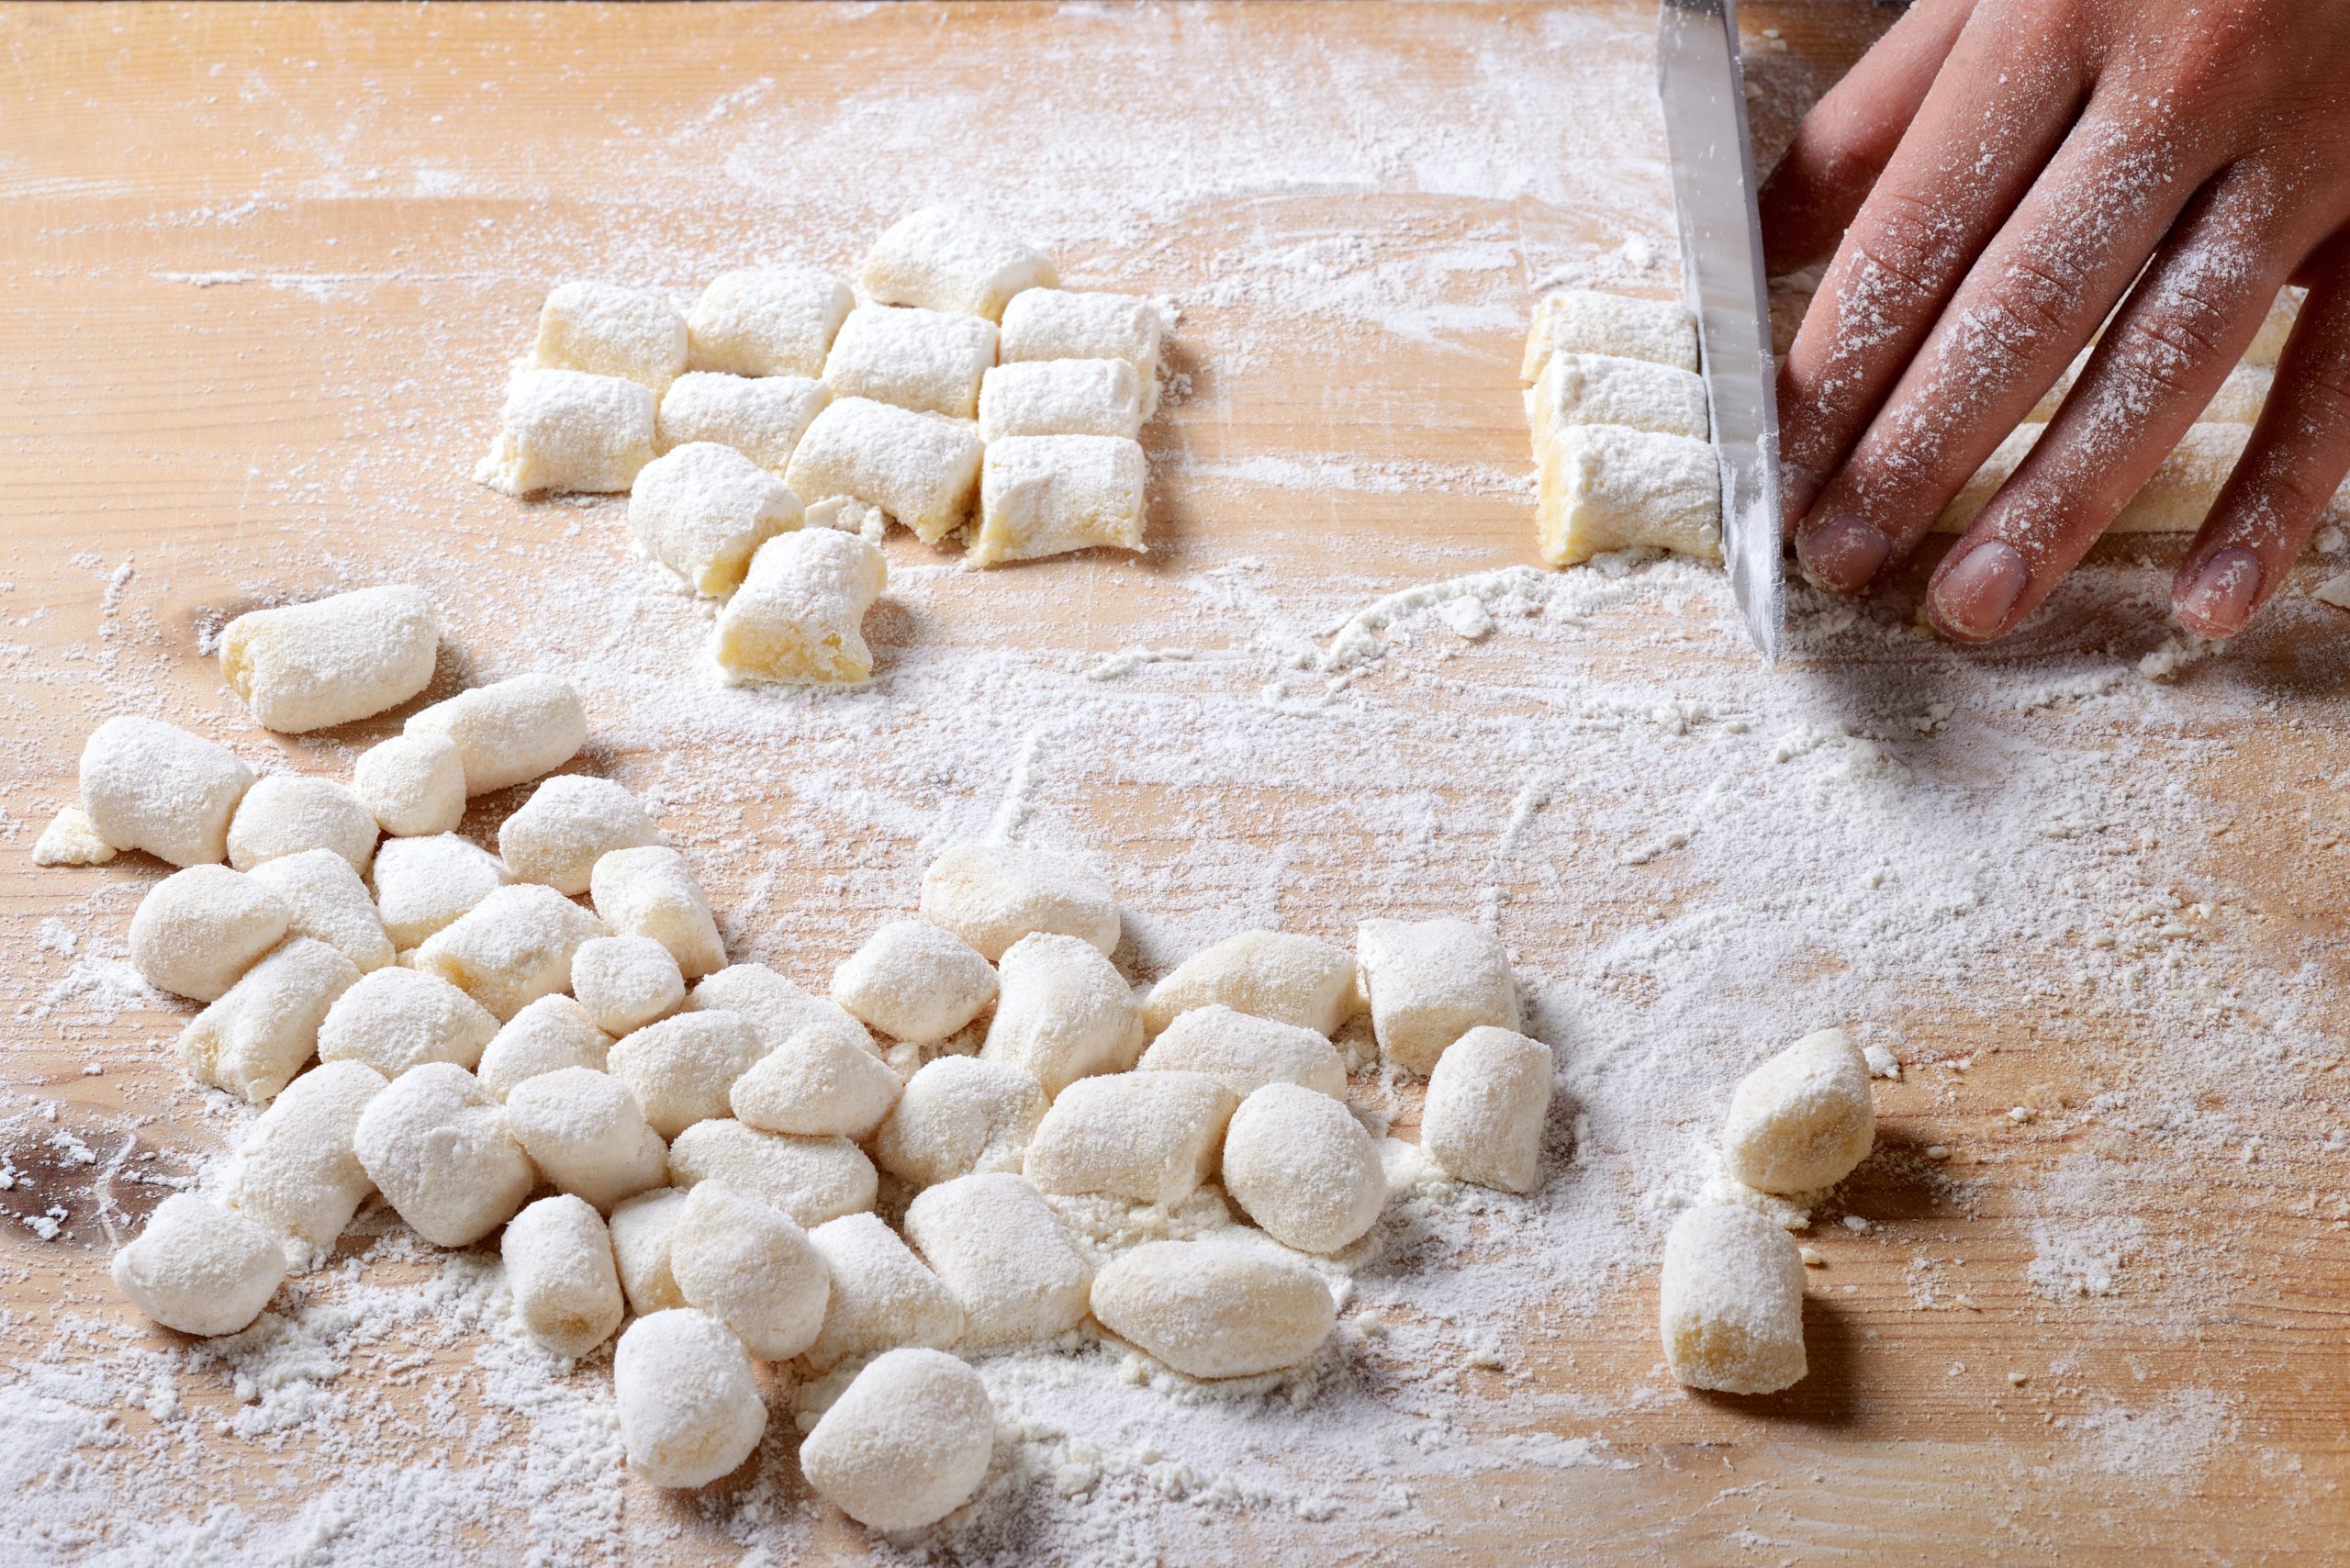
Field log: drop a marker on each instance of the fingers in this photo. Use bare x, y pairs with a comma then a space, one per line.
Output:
2298, 455
1996, 112
1848, 136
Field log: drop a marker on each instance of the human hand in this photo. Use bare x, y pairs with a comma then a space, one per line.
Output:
2001, 172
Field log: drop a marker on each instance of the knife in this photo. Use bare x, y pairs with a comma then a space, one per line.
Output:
1714, 189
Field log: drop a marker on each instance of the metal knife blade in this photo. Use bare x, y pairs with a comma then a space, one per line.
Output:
1714, 187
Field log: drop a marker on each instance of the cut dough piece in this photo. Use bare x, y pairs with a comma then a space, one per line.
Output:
422, 885
1214, 1309
1061, 397
511, 948
1065, 1013
626, 982
509, 732
2173, 501
281, 815
751, 1268
1730, 1305
568, 823
1581, 320
197, 931
1804, 1119
558, 1260
650, 892
326, 901
72, 839
1055, 323
930, 361
255, 1039
816, 1084
906, 1444
800, 616
1245, 1053
777, 1008
1600, 390
776, 323
1149, 1137
1268, 974
957, 1115
605, 329
763, 419
701, 511
992, 895
309, 666
944, 259
199, 1267
152, 786
914, 982
561, 429
2269, 344
296, 1173
1431, 983
436, 1146
811, 1179
1048, 494
583, 1130
689, 1406
1487, 1099
2242, 395
883, 1296
414, 785
395, 1020
1607, 487
1002, 1252
680, 1068
641, 1229
1299, 1164
2334, 590
551, 1034
921, 469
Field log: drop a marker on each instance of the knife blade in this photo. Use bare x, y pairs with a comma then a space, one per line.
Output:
1701, 83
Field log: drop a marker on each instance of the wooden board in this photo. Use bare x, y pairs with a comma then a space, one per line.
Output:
264, 267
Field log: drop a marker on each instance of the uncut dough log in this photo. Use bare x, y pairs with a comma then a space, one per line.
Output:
199, 1267
816, 1084
1581, 320
309, 666
326, 901
1215, 1309
1061, 397
437, 1147
1431, 982
414, 785
563, 429
551, 1034
1245, 1053
1048, 494
750, 1267
882, 1296
1487, 1099
1804, 1119
395, 1020
701, 511
1730, 1307
810, 1179
957, 1115
1149, 1137
992, 895
1300, 1165
650, 890
1055, 323
929, 360
772, 322
510, 732
511, 948
197, 931
583, 1130
626, 982
799, 615
944, 259
72, 839
1608, 487
1064, 1012
777, 1008
641, 1229
1268, 974
1601, 389
424, 885
906, 1444
605, 329
296, 1173
1001, 1251
255, 1039
285, 815
558, 1260
690, 1407
680, 1068
152, 786
914, 982
921, 469
568, 823
763, 419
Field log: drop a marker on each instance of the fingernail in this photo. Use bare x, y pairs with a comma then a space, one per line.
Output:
1973, 598
1843, 552
2224, 591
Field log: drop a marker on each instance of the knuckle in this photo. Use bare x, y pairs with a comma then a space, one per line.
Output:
1905, 244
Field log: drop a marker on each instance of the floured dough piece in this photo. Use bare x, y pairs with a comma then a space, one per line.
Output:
816, 1084
772, 322
641, 1229
197, 931
1268, 974
151, 786
761, 418
397, 1019
958, 1115
993, 894
551, 1034
583, 1130
799, 618
811, 1179
296, 1173
751, 1268
1004, 1253
921, 469
1600, 390
2174, 501
680, 1068
1048, 494
283, 814
309, 666
1608, 487
605, 329
2334, 590
1149, 1137
564, 430
689, 1406
437, 1147
1064, 1012
510, 732
1054, 323
199, 1267
511, 948
568, 823
1245, 1053
1803, 1119
1487, 1099
326, 901
930, 361
650, 892
882, 1295
701, 511
907, 1443
72, 839
558, 1260
1217, 1308
422, 885
944, 259
1431, 982
774, 1007
626, 982
414, 785
2237, 402
1581, 320
255, 1039
914, 982
1730, 1307
1300, 1165
1061, 397
2269, 344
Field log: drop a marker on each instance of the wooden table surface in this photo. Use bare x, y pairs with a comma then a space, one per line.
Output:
262, 270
